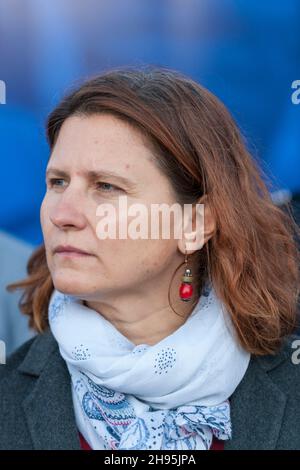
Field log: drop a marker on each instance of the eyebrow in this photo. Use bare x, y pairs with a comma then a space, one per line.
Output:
92, 175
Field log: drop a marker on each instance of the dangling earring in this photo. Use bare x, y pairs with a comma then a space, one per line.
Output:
186, 288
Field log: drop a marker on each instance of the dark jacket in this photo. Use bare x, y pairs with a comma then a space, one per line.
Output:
36, 409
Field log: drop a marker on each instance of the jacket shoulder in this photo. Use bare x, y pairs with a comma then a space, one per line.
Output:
35, 394
16, 358
31, 357
284, 367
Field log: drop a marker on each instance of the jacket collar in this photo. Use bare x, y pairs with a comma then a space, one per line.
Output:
257, 408
257, 405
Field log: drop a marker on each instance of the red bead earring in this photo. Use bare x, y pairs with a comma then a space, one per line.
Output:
186, 288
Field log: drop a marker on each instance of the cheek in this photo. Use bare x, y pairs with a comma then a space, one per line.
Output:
136, 259
43, 215
158, 255
45, 220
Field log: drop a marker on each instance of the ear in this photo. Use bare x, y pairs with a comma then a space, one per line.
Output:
200, 225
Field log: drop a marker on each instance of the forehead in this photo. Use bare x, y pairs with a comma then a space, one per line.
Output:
102, 138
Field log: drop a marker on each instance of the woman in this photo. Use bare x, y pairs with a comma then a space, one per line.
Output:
155, 342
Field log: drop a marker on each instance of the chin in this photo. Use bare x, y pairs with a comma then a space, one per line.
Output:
68, 284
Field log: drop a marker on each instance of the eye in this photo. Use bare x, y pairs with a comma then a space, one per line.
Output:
107, 187
56, 182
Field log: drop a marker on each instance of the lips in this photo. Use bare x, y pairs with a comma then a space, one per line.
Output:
71, 250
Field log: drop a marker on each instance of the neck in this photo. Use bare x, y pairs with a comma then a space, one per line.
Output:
143, 318
145, 327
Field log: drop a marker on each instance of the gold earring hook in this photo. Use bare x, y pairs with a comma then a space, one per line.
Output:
185, 256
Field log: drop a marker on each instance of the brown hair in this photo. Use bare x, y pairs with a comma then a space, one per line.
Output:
252, 260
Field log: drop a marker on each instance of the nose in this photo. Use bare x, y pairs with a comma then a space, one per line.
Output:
68, 211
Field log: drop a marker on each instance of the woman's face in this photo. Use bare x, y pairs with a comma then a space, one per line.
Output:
97, 159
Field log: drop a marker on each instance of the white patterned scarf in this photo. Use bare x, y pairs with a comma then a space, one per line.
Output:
171, 395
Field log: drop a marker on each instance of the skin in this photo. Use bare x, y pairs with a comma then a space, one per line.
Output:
126, 281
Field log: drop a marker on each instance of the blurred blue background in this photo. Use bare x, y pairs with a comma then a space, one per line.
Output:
247, 53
